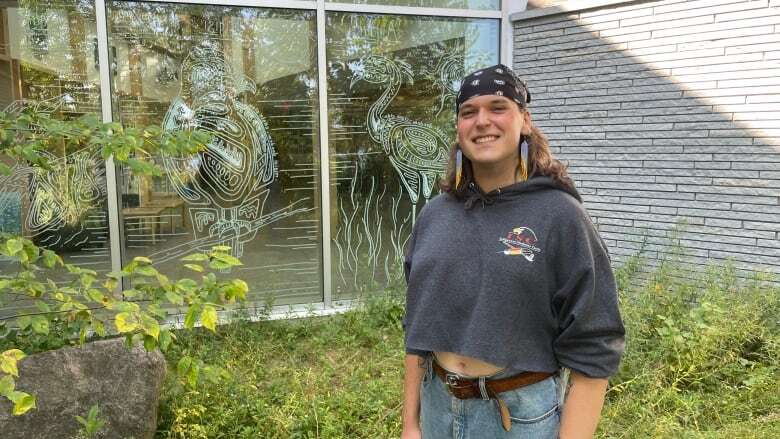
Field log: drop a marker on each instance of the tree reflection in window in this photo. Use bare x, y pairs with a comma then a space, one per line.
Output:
37, 31
392, 83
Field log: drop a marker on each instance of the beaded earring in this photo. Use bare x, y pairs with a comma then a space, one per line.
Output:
458, 165
523, 159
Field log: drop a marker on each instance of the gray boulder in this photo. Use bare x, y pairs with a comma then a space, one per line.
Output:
67, 382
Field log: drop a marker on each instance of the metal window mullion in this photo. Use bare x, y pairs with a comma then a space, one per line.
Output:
411, 10
105, 105
322, 89
287, 4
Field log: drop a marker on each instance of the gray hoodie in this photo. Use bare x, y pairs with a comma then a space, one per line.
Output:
517, 277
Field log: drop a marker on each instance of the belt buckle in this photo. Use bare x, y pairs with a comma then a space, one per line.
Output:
452, 380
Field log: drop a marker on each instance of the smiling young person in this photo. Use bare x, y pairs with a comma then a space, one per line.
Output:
509, 283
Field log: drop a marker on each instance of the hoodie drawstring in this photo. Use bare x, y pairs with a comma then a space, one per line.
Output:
477, 195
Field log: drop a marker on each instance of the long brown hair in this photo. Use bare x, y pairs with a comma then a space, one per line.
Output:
540, 160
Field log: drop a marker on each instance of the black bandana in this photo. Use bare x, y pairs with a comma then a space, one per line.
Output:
498, 80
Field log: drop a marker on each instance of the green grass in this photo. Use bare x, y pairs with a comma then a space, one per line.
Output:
701, 362
337, 376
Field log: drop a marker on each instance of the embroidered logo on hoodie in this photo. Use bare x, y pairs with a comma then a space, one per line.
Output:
521, 241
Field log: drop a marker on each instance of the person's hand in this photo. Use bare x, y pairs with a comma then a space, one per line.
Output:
411, 433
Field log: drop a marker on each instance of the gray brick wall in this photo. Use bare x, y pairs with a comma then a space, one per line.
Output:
666, 111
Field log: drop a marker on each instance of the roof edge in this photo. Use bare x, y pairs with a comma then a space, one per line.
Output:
564, 8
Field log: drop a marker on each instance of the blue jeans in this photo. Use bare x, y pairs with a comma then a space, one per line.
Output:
534, 412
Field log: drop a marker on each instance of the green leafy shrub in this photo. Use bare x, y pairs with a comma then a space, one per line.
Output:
701, 361
702, 355
81, 305
80, 308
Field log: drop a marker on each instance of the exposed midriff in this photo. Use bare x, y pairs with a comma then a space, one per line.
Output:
464, 365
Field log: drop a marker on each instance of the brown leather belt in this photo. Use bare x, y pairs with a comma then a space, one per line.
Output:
464, 388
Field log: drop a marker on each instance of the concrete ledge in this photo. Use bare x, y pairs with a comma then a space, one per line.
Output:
567, 7
256, 312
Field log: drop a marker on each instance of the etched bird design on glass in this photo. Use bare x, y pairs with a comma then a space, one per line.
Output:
417, 150
448, 77
226, 185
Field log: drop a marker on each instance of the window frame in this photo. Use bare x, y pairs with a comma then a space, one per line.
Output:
322, 7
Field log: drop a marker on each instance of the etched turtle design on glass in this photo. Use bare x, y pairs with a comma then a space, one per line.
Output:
417, 150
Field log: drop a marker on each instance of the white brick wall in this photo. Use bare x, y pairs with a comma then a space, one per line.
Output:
666, 111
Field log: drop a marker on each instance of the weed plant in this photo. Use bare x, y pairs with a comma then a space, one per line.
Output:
702, 356
701, 361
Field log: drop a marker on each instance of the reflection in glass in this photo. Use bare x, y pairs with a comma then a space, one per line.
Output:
490, 5
247, 76
391, 90
48, 64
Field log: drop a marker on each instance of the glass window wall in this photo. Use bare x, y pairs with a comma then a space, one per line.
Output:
48, 63
248, 77
392, 82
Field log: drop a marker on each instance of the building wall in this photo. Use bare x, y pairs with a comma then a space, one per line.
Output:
666, 111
